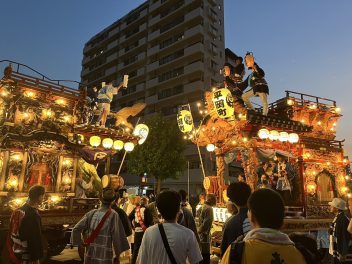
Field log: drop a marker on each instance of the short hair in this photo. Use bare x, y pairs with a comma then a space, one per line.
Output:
108, 195
168, 204
211, 199
36, 191
183, 195
239, 193
267, 207
230, 66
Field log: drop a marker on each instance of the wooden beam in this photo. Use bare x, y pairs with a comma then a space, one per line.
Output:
23, 171
4, 169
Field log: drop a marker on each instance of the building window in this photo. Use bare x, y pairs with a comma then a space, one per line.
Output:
132, 46
172, 24
130, 60
129, 90
172, 8
171, 40
170, 74
132, 74
219, 6
132, 32
214, 65
169, 110
170, 92
132, 18
171, 57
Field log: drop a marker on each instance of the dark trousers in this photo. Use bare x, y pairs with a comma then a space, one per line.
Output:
137, 244
206, 259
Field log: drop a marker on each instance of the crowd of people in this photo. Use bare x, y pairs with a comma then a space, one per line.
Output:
167, 230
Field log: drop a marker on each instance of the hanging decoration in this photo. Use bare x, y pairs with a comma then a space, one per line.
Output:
185, 121
223, 103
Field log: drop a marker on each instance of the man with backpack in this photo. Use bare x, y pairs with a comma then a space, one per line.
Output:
264, 243
24, 243
169, 243
103, 231
237, 225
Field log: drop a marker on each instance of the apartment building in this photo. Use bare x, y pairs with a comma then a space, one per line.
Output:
171, 49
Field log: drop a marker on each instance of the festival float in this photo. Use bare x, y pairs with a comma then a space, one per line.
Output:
46, 138
299, 127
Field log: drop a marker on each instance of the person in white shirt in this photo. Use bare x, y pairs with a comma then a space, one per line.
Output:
181, 240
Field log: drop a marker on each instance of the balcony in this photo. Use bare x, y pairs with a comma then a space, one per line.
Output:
85, 71
154, 20
140, 71
154, 6
111, 70
140, 87
193, 86
111, 57
151, 99
195, 13
153, 50
112, 44
141, 56
114, 31
154, 34
193, 31
195, 66
153, 66
142, 27
152, 82
198, 47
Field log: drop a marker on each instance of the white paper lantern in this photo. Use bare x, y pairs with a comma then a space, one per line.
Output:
293, 138
263, 133
274, 135
107, 143
129, 146
283, 137
210, 147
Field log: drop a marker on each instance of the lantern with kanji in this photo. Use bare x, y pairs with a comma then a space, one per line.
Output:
223, 103
185, 121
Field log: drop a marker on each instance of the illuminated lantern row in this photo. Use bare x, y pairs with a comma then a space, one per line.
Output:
276, 135
223, 103
109, 143
185, 121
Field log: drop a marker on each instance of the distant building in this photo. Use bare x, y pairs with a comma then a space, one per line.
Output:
172, 50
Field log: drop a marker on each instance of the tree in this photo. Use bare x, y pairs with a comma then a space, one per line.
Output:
161, 155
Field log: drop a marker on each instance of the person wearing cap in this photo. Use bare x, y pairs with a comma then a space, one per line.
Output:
340, 239
111, 238
105, 96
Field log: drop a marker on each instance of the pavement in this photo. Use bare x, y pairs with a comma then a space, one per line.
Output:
68, 256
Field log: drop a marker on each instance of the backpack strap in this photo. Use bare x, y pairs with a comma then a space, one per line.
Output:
236, 253
166, 244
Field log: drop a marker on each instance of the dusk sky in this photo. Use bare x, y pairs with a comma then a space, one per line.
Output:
304, 46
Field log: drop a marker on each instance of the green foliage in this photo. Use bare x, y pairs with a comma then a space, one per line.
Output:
161, 155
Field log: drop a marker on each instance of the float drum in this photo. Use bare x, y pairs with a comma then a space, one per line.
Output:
113, 181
